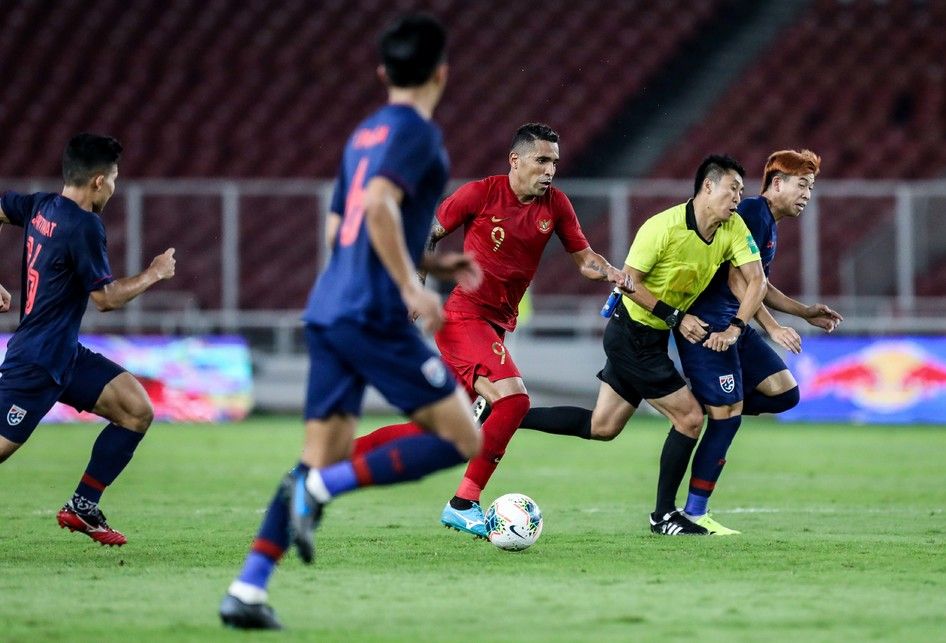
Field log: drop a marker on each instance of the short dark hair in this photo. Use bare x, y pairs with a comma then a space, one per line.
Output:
411, 48
713, 167
87, 155
532, 132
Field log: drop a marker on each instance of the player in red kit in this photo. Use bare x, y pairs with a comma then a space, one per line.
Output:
507, 222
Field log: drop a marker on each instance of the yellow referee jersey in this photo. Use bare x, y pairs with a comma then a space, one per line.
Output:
678, 262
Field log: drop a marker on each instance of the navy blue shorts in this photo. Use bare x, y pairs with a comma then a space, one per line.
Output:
345, 358
720, 379
28, 392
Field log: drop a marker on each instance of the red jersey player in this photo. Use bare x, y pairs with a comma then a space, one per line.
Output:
507, 222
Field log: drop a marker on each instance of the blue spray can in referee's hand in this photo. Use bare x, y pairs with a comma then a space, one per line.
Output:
608, 309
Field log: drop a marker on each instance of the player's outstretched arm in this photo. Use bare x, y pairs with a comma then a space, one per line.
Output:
785, 336
121, 291
823, 317
595, 267
816, 314
437, 232
459, 267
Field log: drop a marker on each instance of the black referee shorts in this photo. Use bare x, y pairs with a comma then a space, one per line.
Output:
638, 366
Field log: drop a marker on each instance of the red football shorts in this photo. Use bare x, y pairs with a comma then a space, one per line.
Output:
473, 348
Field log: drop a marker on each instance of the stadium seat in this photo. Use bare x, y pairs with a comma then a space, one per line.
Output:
199, 90
861, 128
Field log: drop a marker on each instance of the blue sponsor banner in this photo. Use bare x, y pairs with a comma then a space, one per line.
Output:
871, 379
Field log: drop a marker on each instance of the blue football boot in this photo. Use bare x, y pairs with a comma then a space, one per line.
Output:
465, 520
305, 514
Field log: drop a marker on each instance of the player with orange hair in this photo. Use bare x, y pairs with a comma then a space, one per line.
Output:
749, 378
791, 163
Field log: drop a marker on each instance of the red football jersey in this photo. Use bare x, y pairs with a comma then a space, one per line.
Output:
507, 239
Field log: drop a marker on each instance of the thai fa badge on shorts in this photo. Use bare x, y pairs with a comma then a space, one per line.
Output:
727, 383
434, 372
15, 415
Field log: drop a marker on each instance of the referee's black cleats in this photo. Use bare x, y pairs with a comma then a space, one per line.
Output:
305, 514
675, 524
248, 616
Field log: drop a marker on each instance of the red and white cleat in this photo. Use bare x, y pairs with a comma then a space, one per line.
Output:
91, 523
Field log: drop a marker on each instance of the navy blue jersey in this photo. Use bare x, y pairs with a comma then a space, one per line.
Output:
399, 144
64, 259
716, 305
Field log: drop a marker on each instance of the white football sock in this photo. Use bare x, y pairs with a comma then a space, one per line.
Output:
316, 486
249, 594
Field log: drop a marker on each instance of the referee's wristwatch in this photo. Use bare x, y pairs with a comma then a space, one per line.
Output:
668, 314
738, 323
673, 319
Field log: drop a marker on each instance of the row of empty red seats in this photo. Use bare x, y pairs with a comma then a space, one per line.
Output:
261, 89
858, 81
204, 88
215, 88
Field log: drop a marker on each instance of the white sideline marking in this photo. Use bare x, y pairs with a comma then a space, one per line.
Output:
800, 510
827, 510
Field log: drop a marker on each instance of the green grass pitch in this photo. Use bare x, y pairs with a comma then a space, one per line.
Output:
843, 539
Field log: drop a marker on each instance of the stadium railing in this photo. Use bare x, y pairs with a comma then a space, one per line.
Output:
249, 249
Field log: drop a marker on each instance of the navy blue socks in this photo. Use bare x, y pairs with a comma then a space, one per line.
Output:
708, 462
111, 453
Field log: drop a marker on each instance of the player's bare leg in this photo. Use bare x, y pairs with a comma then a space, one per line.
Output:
450, 420
7, 448
777, 383
611, 413
605, 422
125, 402
327, 442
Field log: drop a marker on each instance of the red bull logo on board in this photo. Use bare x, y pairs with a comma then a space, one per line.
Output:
886, 376
890, 379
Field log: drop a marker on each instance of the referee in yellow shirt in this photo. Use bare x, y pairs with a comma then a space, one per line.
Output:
673, 258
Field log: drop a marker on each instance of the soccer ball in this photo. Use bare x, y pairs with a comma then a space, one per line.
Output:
513, 522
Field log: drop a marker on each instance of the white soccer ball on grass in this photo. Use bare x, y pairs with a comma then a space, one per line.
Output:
513, 522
